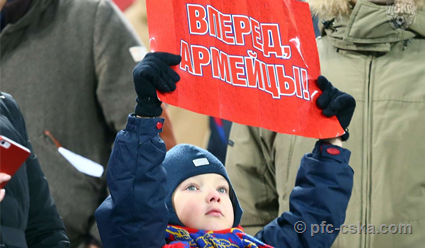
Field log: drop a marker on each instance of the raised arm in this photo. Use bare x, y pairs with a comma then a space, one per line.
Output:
135, 214
321, 195
323, 186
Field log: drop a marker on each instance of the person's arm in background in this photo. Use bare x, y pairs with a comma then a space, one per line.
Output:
45, 227
135, 214
113, 37
323, 185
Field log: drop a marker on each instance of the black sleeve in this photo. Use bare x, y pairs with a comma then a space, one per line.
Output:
45, 227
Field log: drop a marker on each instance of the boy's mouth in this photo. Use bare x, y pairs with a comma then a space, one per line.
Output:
214, 212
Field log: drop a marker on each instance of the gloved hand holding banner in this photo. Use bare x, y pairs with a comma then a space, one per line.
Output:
253, 62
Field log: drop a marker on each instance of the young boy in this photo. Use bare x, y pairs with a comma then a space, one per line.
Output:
184, 198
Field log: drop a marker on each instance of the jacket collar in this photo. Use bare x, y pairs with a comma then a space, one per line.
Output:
368, 29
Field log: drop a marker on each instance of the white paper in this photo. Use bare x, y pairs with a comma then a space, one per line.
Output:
82, 164
138, 53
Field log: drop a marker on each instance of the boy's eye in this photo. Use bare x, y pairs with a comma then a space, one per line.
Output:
191, 188
222, 190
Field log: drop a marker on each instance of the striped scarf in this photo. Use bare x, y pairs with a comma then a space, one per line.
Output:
182, 237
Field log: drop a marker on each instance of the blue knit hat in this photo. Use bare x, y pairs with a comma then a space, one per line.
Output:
184, 161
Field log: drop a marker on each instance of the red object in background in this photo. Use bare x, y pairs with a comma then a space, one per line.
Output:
253, 62
123, 4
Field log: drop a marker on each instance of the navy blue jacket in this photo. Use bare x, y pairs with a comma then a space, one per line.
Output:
135, 214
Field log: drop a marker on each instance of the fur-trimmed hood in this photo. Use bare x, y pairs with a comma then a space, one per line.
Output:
328, 9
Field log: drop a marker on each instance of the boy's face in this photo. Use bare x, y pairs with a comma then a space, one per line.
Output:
203, 202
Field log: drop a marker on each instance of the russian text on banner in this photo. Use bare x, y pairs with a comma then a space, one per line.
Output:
251, 62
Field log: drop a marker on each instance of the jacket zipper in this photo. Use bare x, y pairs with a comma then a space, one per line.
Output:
368, 151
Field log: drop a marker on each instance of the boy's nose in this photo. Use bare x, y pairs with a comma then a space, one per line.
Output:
213, 196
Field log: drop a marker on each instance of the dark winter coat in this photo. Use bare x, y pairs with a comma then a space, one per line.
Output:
135, 215
28, 213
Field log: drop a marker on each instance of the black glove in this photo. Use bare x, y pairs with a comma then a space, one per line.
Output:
335, 102
151, 74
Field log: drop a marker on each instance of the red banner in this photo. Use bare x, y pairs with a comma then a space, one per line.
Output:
247, 61
123, 4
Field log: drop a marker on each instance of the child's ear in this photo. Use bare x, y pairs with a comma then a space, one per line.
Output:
172, 199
